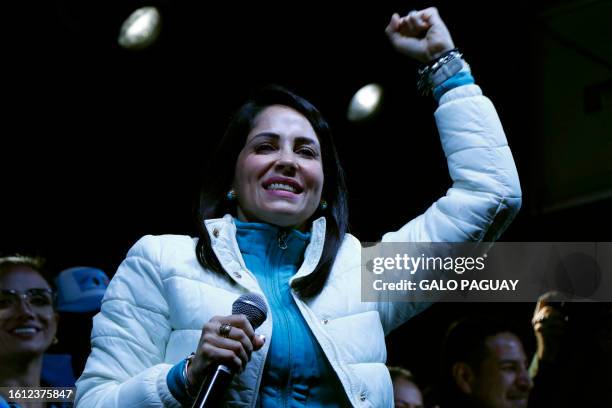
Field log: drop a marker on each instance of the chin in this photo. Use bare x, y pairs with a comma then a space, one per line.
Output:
34, 346
284, 217
20, 352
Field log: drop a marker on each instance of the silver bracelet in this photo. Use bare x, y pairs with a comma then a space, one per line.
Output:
441, 69
185, 377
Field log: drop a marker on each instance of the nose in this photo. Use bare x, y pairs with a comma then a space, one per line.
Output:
286, 163
23, 305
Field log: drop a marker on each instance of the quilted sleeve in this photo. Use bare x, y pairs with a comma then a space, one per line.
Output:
129, 337
485, 194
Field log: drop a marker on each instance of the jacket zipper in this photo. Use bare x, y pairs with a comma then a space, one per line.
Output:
283, 318
282, 239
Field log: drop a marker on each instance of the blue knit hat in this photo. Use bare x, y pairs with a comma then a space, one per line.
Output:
80, 289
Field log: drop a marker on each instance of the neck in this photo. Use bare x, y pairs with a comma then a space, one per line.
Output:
21, 372
303, 227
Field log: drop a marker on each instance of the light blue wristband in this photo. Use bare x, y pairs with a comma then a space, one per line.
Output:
459, 79
177, 383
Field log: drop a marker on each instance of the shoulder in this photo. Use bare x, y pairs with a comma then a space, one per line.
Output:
142, 276
348, 256
350, 243
160, 256
156, 248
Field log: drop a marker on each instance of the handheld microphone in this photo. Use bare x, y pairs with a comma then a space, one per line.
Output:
214, 387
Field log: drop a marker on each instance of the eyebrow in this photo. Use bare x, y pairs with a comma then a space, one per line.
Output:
300, 139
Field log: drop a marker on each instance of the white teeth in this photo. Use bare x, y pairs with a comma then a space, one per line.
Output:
25, 330
281, 186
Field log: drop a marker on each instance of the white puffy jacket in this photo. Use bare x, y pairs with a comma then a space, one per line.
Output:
160, 297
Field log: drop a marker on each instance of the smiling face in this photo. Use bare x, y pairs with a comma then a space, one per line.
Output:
279, 172
503, 380
25, 328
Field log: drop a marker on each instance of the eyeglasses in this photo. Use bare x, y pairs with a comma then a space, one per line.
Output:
37, 298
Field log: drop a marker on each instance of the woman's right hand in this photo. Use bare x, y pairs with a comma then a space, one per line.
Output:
233, 351
421, 34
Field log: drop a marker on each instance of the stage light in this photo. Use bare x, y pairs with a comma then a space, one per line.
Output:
365, 103
140, 29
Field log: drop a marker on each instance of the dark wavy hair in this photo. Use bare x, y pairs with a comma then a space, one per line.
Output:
219, 176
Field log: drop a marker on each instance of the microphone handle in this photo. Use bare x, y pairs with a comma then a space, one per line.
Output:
213, 389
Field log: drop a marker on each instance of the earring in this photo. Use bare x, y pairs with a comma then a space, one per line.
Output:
55, 340
231, 195
323, 205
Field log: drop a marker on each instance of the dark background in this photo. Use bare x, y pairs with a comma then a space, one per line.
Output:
102, 145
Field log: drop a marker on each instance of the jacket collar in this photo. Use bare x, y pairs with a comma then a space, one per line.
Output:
222, 232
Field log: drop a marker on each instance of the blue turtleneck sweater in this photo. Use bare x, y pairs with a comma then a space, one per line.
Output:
297, 373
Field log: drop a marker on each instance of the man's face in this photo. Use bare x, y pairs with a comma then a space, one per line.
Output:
502, 381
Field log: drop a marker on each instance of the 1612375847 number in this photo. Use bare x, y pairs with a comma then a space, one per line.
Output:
43, 394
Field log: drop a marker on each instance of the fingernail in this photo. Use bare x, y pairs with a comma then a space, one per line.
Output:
262, 337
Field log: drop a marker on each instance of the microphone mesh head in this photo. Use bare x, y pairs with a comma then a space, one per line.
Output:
253, 306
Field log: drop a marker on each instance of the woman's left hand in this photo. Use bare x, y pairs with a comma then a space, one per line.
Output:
421, 34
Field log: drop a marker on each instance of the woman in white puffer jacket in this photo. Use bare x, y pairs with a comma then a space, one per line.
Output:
274, 217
